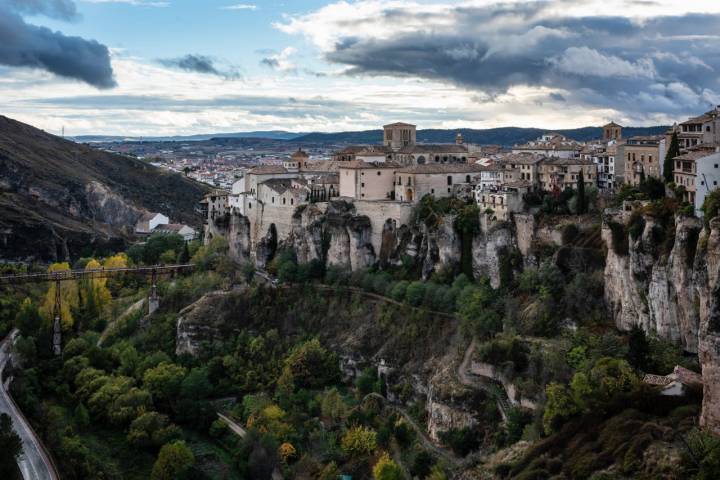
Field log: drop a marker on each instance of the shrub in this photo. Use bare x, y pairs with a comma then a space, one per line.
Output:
415, 293
620, 242
359, 441
569, 233
387, 469
462, 441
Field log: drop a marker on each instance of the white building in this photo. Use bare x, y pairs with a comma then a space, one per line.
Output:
499, 203
708, 178
551, 145
147, 223
367, 181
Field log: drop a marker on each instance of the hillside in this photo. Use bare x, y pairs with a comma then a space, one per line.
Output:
267, 134
505, 136
60, 200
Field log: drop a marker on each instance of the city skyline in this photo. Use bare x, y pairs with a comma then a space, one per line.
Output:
178, 67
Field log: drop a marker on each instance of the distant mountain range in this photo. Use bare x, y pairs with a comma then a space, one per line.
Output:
505, 136
270, 134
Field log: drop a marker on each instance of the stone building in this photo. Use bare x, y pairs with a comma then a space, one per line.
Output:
702, 130
499, 203
644, 157
438, 180
612, 131
551, 145
399, 135
557, 174
367, 181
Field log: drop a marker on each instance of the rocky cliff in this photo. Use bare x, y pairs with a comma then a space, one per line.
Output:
418, 351
61, 199
670, 292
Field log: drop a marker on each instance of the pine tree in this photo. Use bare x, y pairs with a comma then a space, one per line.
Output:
673, 151
581, 194
184, 255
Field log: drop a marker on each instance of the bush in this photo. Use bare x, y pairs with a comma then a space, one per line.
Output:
620, 242
415, 293
569, 233
462, 441
359, 441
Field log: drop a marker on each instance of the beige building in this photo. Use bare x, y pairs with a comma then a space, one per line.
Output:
551, 145
644, 157
685, 170
520, 167
702, 130
367, 181
501, 202
438, 180
557, 174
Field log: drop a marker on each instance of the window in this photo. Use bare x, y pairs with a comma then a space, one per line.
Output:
716, 165
714, 182
292, 201
273, 199
449, 180
467, 178
362, 185
649, 158
283, 200
448, 190
378, 173
249, 205
432, 190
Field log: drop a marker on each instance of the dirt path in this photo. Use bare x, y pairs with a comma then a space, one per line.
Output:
111, 326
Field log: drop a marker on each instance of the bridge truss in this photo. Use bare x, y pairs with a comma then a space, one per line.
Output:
154, 272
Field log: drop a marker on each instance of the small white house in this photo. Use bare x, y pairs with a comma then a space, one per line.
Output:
149, 221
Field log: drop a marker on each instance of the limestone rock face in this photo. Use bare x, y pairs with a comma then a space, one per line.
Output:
236, 229
106, 206
487, 249
675, 298
658, 294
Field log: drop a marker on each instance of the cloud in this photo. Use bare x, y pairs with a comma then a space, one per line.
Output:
644, 50
136, 3
61, 9
198, 64
30, 46
281, 61
240, 6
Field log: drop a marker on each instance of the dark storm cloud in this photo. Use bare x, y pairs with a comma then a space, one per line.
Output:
662, 64
197, 64
25, 45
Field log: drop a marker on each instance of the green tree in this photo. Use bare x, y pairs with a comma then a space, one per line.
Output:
638, 349
10, 448
28, 319
581, 200
415, 293
559, 406
387, 469
309, 366
673, 151
478, 312
164, 381
359, 441
184, 256
173, 463
152, 429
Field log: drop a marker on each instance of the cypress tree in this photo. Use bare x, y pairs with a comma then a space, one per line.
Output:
581, 194
673, 151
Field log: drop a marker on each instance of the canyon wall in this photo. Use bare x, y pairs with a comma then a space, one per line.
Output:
672, 294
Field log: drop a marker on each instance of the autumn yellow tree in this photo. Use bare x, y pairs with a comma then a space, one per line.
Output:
286, 452
68, 296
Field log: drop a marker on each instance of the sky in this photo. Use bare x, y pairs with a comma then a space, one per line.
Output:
177, 67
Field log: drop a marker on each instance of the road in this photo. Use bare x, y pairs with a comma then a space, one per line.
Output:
34, 462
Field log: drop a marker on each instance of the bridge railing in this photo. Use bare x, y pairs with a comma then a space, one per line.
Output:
64, 275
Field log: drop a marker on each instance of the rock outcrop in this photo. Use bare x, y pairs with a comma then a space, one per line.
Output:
672, 295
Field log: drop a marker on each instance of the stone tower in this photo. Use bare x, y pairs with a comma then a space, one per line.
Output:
612, 131
399, 135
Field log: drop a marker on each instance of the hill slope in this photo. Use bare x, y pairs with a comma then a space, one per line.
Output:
505, 136
60, 200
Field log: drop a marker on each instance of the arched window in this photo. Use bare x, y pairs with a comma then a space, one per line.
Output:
421, 160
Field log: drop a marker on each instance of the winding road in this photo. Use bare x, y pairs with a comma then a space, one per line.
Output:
34, 462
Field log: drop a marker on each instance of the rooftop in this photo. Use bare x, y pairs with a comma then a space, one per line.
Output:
443, 168
362, 165
267, 170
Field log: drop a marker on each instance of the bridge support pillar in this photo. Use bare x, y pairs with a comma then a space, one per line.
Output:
154, 298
